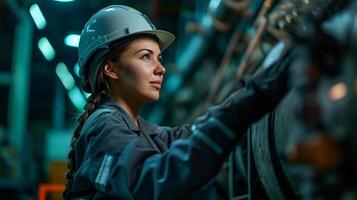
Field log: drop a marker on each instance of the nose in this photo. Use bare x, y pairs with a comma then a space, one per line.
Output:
159, 69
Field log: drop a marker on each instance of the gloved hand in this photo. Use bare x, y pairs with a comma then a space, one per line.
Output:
260, 94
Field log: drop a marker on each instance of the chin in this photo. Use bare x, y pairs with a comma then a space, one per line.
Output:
156, 99
153, 98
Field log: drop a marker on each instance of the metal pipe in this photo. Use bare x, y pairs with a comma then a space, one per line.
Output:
220, 18
20, 79
262, 22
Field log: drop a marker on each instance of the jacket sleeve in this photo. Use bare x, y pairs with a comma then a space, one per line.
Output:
170, 134
121, 164
136, 172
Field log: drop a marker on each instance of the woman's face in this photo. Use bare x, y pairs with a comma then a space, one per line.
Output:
140, 71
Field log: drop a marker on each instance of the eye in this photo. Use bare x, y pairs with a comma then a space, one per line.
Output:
160, 59
146, 56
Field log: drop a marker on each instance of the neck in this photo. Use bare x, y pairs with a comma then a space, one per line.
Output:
130, 107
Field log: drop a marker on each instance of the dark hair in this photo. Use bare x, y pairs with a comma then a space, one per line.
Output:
91, 105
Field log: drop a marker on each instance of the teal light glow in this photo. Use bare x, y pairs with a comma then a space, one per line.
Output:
156, 115
72, 40
173, 83
65, 76
76, 69
213, 4
64, 1
46, 48
37, 16
85, 94
77, 98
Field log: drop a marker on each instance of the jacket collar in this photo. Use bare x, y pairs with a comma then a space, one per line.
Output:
144, 126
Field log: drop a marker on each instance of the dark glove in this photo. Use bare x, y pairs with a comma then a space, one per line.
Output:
260, 95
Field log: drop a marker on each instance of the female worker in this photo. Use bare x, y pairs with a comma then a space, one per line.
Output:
116, 154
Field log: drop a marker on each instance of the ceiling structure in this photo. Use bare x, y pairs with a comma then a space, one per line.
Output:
63, 18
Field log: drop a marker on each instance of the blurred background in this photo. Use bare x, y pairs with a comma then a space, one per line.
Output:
303, 150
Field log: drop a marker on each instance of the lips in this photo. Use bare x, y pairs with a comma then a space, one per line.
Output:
156, 84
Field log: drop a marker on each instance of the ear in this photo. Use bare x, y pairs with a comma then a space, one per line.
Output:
110, 70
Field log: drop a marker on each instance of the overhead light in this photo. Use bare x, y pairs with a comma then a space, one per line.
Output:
76, 69
74, 93
213, 4
72, 40
65, 76
77, 98
64, 1
37, 16
46, 48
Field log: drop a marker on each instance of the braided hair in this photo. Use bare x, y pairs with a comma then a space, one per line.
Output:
91, 105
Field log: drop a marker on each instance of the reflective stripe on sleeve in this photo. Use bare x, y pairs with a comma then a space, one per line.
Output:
227, 131
103, 174
203, 137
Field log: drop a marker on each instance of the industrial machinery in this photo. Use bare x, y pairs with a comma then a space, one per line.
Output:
304, 149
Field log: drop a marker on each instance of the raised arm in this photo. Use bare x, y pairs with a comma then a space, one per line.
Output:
136, 172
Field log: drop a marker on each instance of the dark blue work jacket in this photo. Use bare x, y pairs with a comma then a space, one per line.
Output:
115, 159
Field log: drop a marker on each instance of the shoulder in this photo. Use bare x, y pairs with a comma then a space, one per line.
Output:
97, 120
106, 130
103, 117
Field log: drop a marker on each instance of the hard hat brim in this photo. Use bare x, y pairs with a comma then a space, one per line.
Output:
165, 38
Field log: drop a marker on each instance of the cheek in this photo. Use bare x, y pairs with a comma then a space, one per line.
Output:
136, 75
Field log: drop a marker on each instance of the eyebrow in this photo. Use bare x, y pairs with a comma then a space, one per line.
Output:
149, 50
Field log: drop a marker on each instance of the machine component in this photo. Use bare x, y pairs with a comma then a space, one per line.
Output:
307, 147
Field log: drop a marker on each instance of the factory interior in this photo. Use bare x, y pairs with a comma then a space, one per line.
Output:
303, 149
